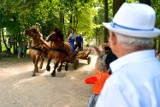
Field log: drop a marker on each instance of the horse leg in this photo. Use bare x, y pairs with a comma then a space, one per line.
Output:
62, 61
60, 67
35, 61
48, 66
36, 64
66, 66
67, 61
54, 71
42, 60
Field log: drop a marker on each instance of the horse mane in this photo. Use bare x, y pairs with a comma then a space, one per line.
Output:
36, 30
59, 33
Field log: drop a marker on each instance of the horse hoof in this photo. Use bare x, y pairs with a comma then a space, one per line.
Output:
53, 75
48, 68
33, 75
59, 70
66, 68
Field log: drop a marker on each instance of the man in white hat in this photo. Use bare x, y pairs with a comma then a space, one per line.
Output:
135, 81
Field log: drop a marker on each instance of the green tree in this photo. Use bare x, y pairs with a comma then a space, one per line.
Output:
83, 15
106, 13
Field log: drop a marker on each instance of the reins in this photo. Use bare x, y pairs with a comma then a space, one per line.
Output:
60, 49
39, 48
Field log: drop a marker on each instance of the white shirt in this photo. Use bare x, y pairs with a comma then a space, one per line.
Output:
72, 36
135, 82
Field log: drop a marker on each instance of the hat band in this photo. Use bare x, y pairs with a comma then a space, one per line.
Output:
115, 25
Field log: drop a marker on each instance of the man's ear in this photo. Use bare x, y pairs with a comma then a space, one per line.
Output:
113, 38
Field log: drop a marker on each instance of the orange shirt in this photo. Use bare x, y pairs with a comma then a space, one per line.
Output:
98, 80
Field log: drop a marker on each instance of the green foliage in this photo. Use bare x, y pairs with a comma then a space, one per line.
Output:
131, 1
86, 18
155, 4
83, 15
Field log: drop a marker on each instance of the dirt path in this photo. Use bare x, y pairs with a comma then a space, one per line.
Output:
19, 89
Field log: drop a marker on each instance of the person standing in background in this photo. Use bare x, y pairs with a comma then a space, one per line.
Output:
20, 48
24, 47
135, 79
11, 42
110, 57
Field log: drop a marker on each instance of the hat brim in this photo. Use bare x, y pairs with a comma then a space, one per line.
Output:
140, 34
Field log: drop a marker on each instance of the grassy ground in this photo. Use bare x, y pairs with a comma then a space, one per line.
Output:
14, 59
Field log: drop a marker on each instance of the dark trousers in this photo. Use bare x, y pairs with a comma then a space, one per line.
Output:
92, 100
78, 45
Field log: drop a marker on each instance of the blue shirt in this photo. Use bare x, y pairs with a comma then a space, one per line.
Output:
79, 39
135, 82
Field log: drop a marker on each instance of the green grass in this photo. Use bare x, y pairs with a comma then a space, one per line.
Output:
14, 59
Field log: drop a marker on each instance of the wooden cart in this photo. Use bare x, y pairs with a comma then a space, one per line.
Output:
84, 55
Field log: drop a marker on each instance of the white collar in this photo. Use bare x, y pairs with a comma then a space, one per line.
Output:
132, 57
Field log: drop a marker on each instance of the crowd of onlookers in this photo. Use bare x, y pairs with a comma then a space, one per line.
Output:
104, 57
21, 44
22, 48
134, 76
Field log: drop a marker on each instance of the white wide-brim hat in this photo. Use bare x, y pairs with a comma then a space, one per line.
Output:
135, 20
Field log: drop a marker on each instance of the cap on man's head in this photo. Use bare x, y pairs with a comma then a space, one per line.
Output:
135, 20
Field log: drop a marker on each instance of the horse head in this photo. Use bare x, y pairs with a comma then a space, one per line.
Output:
51, 37
33, 32
55, 36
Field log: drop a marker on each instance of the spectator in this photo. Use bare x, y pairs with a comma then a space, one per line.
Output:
110, 57
106, 54
135, 79
88, 48
10, 43
24, 47
79, 42
98, 80
20, 48
101, 51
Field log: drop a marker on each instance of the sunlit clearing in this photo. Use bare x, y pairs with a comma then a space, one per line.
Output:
16, 85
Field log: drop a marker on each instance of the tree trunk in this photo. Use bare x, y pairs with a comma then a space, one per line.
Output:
4, 41
71, 20
145, 1
116, 5
106, 20
0, 44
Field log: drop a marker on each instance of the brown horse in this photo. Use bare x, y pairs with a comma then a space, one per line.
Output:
37, 49
60, 51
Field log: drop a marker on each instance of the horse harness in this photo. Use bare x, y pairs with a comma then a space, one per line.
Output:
38, 47
60, 49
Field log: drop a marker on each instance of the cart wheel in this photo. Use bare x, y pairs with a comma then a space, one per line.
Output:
75, 63
89, 60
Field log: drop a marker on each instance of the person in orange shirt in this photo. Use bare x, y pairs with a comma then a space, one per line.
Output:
98, 80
